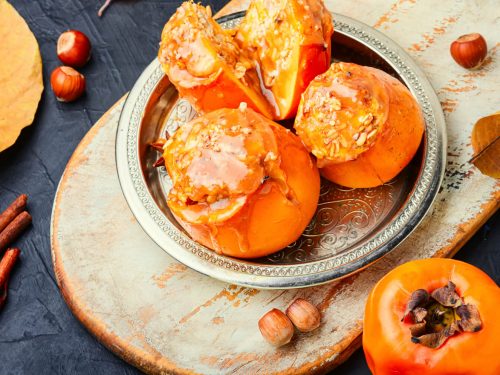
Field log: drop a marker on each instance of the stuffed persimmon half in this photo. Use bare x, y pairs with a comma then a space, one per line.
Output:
291, 42
242, 185
267, 62
363, 125
206, 65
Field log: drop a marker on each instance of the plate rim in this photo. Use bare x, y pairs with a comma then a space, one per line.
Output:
243, 272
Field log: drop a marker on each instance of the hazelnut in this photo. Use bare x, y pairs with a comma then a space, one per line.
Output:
67, 83
305, 316
469, 51
276, 328
73, 48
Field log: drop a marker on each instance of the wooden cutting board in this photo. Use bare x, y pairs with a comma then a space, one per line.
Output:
162, 317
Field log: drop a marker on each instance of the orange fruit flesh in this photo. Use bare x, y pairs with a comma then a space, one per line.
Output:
291, 41
363, 125
205, 64
257, 203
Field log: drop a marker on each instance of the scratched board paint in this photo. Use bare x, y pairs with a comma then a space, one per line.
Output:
161, 316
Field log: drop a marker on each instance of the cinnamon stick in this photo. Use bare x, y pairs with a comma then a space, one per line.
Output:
3, 294
14, 209
158, 146
6, 264
159, 163
14, 229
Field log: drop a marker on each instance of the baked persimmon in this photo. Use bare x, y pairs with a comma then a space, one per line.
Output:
363, 125
206, 65
242, 185
291, 42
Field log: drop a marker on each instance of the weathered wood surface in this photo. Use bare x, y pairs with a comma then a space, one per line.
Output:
161, 316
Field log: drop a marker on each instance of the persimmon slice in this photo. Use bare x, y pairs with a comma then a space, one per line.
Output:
206, 65
291, 42
242, 184
363, 125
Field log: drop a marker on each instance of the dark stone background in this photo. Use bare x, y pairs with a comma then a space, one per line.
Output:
38, 333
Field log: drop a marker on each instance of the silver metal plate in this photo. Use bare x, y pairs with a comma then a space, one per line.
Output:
351, 228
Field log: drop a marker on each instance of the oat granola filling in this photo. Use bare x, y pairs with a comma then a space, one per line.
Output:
271, 31
194, 49
342, 113
216, 161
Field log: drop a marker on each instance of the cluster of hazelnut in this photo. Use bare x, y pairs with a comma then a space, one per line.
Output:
73, 49
277, 327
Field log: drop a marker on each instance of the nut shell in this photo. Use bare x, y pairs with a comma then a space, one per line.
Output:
276, 328
67, 84
73, 48
469, 51
304, 315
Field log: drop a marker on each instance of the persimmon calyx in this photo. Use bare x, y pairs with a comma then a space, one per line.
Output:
419, 297
439, 315
470, 321
447, 295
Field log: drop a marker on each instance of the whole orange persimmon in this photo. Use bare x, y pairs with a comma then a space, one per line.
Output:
363, 125
434, 317
291, 41
243, 185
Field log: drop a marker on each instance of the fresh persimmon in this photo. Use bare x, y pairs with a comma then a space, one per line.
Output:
206, 65
363, 125
291, 42
433, 317
242, 185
